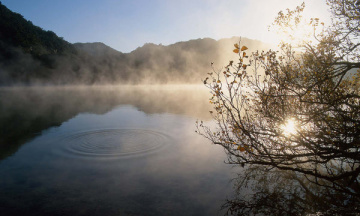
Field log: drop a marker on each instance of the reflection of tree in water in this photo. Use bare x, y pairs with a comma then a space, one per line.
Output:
259, 190
26, 112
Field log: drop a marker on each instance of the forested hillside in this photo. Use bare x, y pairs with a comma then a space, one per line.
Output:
30, 55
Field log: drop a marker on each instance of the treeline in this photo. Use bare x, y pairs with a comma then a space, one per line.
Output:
30, 55
18, 32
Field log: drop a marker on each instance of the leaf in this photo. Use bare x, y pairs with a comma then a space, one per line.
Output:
241, 148
236, 50
236, 46
243, 48
244, 54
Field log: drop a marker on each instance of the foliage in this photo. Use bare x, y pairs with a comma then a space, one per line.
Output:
297, 109
17, 31
31, 55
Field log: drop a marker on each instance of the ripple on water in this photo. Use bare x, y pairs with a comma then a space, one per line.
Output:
112, 143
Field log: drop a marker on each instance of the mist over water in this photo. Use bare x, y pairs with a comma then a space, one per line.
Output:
106, 150
27, 111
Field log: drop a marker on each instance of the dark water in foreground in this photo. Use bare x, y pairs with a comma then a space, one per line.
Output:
108, 151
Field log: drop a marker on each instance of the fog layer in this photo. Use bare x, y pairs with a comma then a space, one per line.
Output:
30, 55
96, 63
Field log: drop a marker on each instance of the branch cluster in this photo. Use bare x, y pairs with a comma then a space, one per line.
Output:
317, 89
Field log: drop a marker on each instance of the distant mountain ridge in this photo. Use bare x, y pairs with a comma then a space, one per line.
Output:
96, 49
30, 55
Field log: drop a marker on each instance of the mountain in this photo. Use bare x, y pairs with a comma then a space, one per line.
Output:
30, 55
18, 32
187, 61
97, 49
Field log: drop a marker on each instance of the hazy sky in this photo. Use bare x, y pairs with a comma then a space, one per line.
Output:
128, 24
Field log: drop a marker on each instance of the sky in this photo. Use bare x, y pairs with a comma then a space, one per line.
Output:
127, 24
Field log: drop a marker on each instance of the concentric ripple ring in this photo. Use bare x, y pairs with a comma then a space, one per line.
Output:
113, 143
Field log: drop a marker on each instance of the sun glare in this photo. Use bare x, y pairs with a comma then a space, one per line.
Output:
297, 35
289, 128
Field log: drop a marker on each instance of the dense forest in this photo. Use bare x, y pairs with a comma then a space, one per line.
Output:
30, 55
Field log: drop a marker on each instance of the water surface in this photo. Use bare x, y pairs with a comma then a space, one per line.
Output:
108, 151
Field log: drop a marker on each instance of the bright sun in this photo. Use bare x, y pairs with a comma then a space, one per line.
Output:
289, 128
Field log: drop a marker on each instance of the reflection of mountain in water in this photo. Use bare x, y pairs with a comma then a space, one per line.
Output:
25, 112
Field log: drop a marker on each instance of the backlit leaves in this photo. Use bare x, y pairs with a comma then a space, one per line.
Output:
316, 87
243, 48
241, 148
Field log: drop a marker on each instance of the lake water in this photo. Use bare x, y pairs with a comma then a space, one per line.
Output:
109, 151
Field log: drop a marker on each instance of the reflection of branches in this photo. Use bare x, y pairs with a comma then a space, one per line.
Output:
274, 192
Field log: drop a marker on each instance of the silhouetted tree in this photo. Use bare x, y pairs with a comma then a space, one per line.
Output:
299, 108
